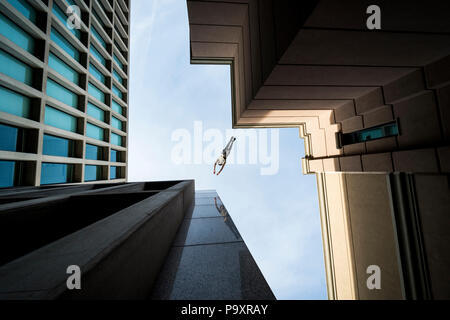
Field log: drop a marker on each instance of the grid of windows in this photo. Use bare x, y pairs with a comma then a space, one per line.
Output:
81, 98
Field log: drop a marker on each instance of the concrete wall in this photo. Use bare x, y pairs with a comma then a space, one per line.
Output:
119, 256
398, 222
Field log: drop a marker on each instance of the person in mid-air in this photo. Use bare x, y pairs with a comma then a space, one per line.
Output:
222, 160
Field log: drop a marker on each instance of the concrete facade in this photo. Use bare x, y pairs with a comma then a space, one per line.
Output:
144, 240
316, 66
118, 234
40, 21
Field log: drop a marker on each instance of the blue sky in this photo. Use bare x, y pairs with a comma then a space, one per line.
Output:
277, 215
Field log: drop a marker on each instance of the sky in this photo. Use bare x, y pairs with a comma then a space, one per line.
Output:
179, 117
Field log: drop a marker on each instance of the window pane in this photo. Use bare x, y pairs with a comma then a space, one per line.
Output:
52, 173
117, 107
14, 103
92, 173
96, 73
116, 123
94, 152
59, 147
63, 68
113, 173
95, 112
98, 18
97, 36
64, 44
117, 76
97, 55
114, 156
96, 93
95, 132
7, 169
116, 139
119, 63
382, 131
71, 2
117, 92
60, 93
24, 8
59, 13
15, 68
8, 140
10, 30
59, 119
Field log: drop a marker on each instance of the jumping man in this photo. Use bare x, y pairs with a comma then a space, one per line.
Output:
222, 160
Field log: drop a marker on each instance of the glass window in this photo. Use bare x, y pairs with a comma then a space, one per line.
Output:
97, 36
117, 45
117, 107
60, 93
102, 6
63, 68
113, 173
96, 73
94, 152
116, 139
117, 92
97, 55
117, 76
71, 2
115, 156
119, 63
92, 173
98, 18
24, 8
58, 147
95, 132
53, 173
14, 103
95, 112
59, 119
378, 132
116, 123
62, 42
7, 170
13, 32
9, 137
59, 13
96, 93
15, 68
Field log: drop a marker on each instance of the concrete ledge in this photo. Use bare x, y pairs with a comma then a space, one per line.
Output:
119, 256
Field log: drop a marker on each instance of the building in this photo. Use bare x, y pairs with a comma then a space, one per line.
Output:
373, 108
209, 260
144, 240
63, 165
63, 91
